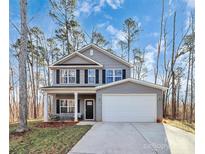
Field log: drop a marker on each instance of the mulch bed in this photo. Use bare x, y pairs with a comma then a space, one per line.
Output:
56, 124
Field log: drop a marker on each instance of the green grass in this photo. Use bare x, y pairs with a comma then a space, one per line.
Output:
181, 124
45, 140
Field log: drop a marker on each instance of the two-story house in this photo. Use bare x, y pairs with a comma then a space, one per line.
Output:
94, 84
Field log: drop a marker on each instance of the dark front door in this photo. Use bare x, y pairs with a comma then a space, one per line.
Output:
89, 109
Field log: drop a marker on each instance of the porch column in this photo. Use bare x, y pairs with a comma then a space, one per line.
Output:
45, 118
52, 104
76, 107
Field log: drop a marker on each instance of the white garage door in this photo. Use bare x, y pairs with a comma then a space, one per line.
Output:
129, 108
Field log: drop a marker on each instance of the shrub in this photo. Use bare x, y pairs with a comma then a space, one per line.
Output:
54, 117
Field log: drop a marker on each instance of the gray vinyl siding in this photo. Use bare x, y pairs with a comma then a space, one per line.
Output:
107, 61
77, 60
128, 88
98, 56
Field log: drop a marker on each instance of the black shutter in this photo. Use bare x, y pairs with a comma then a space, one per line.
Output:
96, 76
78, 105
57, 106
86, 76
123, 74
103, 76
77, 76
57, 76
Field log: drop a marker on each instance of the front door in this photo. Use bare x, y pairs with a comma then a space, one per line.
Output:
89, 109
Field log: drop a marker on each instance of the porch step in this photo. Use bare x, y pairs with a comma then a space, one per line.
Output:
86, 123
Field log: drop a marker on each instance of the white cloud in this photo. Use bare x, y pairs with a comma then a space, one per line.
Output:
150, 61
85, 7
137, 20
99, 6
111, 29
77, 13
150, 48
101, 25
190, 3
117, 34
149, 56
154, 34
114, 4
108, 16
88, 6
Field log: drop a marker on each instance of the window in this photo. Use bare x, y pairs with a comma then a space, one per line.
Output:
67, 106
68, 76
91, 76
72, 76
64, 78
113, 75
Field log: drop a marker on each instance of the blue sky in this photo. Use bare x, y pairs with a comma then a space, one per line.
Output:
107, 17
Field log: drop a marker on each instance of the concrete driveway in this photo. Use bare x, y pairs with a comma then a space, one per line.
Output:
135, 138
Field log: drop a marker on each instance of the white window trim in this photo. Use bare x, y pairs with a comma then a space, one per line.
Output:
91, 76
67, 105
68, 81
113, 70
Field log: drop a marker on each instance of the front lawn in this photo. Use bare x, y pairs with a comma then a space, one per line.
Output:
181, 124
49, 140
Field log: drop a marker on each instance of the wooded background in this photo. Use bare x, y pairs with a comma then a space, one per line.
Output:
33, 52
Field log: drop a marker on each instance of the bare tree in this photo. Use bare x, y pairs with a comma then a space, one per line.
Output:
192, 66
179, 75
22, 69
159, 43
131, 29
98, 39
62, 12
122, 45
172, 70
139, 68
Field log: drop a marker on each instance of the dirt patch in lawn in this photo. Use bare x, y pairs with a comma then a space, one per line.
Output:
57, 124
16, 135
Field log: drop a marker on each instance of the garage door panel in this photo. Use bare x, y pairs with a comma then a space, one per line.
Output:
129, 108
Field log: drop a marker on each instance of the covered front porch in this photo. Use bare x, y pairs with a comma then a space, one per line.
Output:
69, 105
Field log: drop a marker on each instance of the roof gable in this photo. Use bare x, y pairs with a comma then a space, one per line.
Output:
76, 58
144, 83
105, 52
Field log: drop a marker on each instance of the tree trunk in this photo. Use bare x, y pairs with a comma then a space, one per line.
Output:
192, 76
184, 111
128, 45
192, 91
22, 69
172, 71
159, 44
178, 94
33, 92
11, 105
37, 84
187, 83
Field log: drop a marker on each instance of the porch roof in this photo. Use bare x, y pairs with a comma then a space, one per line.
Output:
69, 89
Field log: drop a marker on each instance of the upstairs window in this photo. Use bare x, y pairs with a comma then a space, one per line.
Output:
91, 76
68, 76
113, 75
